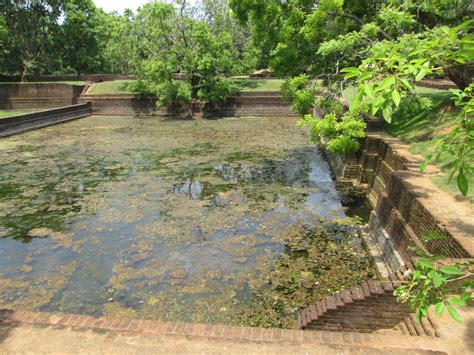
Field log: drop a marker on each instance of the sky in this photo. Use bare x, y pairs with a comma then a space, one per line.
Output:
120, 5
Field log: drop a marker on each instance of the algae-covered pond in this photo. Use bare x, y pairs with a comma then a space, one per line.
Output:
153, 218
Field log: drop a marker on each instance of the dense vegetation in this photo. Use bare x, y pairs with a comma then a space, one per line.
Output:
74, 36
381, 49
186, 53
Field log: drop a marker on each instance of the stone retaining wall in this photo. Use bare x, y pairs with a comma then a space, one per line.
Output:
407, 204
38, 95
244, 104
30, 121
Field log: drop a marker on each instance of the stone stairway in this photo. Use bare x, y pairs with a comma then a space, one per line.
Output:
26, 331
367, 308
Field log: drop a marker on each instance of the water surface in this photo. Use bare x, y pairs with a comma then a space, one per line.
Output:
152, 218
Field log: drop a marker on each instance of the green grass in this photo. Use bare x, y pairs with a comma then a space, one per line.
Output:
243, 84
11, 113
442, 180
110, 87
422, 131
426, 125
255, 85
350, 91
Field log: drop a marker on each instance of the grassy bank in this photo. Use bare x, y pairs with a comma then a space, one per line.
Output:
424, 130
243, 85
11, 113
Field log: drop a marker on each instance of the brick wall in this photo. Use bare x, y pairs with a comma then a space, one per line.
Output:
404, 201
38, 95
245, 104
365, 308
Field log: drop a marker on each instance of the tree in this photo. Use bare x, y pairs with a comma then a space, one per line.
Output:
8, 64
116, 41
78, 36
173, 41
378, 60
33, 24
386, 78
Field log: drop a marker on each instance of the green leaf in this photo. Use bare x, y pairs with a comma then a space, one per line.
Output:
356, 100
415, 53
350, 70
439, 308
433, 235
466, 296
454, 314
378, 102
406, 83
457, 302
451, 270
462, 183
369, 90
388, 81
463, 25
364, 76
387, 114
421, 74
396, 97
425, 263
350, 75
437, 279
425, 163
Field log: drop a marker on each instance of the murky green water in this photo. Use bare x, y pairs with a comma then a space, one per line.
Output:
152, 218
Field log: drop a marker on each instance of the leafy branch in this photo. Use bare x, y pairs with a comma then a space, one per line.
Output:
447, 287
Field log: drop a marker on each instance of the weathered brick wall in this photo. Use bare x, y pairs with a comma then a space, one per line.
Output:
401, 207
246, 104
38, 95
83, 77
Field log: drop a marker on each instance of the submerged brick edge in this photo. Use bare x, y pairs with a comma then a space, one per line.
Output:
10, 318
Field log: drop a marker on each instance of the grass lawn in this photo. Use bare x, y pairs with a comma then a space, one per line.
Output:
422, 131
254, 85
243, 84
110, 87
11, 113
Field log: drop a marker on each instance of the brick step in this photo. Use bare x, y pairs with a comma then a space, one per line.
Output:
415, 328
368, 322
364, 330
350, 342
360, 318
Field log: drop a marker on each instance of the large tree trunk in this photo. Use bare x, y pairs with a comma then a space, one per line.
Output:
461, 75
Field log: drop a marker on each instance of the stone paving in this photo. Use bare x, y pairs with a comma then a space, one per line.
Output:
26, 331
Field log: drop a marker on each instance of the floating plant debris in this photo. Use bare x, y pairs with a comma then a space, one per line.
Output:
162, 219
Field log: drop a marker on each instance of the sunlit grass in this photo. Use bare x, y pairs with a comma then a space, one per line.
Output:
11, 113
243, 84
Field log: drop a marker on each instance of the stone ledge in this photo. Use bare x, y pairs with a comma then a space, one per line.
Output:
454, 216
130, 327
36, 120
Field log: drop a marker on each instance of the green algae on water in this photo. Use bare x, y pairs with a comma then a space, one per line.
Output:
157, 218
